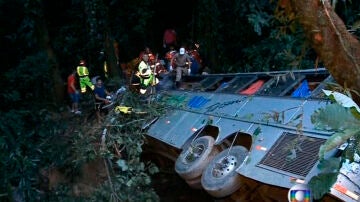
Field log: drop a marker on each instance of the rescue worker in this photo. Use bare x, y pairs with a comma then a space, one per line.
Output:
169, 38
196, 61
84, 79
169, 55
147, 77
182, 61
149, 53
73, 92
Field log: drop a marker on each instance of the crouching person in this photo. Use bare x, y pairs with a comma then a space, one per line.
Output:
100, 99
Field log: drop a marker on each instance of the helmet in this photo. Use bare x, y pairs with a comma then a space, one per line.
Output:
197, 45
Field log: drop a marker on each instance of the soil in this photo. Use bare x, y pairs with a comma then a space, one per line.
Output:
170, 187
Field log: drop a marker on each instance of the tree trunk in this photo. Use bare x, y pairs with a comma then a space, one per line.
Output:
58, 94
338, 49
112, 57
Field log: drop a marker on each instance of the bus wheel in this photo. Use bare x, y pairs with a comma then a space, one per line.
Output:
194, 158
220, 178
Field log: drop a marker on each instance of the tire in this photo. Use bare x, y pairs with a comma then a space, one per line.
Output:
221, 182
190, 164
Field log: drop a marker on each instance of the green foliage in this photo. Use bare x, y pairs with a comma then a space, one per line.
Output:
174, 101
28, 81
82, 149
334, 117
34, 139
129, 178
257, 131
121, 192
320, 184
61, 194
256, 134
282, 52
337, 117
259, 20
330, 165
23, 144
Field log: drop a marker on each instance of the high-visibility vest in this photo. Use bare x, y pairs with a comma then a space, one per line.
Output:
82, 71
143, 66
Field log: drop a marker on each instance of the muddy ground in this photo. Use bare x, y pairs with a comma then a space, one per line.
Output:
170, 188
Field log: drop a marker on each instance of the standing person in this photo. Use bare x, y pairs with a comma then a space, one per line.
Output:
182, 61
168, 57
146, 75
169, 39
147, 51
196, 61
83, 74
73, 92
100, 98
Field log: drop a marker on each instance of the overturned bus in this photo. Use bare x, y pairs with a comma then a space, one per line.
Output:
229, 134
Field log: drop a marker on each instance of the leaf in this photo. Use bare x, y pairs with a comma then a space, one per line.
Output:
147, 180
329, 165
335, 140
342, 99
292, 155
122, 164
321, 184
139, 148
130, 182
153, 169
257, 131
334, 117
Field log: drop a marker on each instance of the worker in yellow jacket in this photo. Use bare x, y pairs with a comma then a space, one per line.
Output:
84, 79
146, 75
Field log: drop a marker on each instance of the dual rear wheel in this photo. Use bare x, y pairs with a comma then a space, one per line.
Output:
193, 159
202, 165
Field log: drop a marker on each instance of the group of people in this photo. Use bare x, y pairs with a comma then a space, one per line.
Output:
182, 62
79, 78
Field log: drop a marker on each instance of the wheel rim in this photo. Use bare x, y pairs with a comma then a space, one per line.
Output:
193, 153
224, 166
